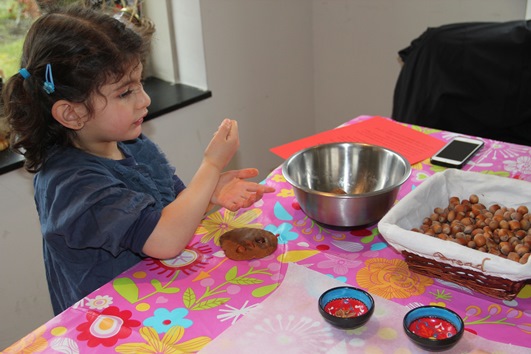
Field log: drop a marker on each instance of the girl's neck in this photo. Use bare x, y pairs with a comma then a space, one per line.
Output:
106, 150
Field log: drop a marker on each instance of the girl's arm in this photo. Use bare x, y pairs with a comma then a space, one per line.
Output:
180, 218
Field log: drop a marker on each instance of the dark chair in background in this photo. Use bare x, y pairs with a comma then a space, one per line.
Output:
469, 78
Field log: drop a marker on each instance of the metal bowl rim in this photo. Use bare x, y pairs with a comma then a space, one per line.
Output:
404, 178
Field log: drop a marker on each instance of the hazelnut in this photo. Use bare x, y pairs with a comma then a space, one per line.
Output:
516, 216
494, 224
451, 216
493, 208
437, 228
498, 230
454, 200
522, 209
468, 229
466, 221
513, 256
514, 225
480, 240
521, 249
504, 224
505, 248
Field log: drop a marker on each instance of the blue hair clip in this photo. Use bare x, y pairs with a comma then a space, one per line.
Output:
24, 73
48, 86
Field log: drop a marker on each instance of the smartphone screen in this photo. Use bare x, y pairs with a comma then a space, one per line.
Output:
457, 152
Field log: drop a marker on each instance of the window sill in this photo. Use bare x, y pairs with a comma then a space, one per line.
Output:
165, 98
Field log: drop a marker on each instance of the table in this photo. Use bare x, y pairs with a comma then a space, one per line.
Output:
186, 302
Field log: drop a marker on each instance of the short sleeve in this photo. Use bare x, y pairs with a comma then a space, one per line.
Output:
91, 210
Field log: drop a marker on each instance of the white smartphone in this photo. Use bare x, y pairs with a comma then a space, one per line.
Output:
457, 152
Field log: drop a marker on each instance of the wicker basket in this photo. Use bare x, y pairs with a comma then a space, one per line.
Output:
497, 287
487, 274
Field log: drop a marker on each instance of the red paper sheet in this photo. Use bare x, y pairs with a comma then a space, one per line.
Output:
413, 145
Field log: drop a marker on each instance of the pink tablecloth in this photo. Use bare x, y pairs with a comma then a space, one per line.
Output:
186, 302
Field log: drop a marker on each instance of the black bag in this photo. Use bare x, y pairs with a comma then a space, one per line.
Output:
469, 78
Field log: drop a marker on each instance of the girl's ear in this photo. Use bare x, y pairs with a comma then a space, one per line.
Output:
66, 113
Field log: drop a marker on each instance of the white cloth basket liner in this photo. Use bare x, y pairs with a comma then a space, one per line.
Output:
435, 192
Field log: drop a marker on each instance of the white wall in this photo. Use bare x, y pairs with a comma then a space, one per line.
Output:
284, 70
356, 44
259, 69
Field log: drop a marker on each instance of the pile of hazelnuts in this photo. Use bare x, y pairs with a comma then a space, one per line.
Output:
498, 230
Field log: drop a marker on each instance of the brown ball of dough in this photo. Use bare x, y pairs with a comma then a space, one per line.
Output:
248, 243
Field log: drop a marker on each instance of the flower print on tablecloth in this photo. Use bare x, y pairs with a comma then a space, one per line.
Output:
307, 334
284, 323
163, 319
283, 232
99, 302
106, 327
193, 258
309, 227
281, 213
495, 313
286, 192
190, 260
168, 344
233, 313
340, 264
503, 159
519, 166
391, 279
499, 153
221, 221
215, 295
277, 176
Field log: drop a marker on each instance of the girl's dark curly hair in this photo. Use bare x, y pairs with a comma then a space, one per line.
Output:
86, 49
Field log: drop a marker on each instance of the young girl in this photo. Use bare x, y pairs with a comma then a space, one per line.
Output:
106, 196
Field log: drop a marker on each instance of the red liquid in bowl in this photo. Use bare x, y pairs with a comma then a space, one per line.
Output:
346, 307
433, 328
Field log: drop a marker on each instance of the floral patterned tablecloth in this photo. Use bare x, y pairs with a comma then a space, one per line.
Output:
182, 304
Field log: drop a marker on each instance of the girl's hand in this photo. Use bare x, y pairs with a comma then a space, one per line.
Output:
223, 145
233, 192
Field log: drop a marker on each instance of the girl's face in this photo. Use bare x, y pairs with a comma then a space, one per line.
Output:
119, 114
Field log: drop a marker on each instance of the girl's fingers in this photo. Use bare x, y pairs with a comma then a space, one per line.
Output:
246, 173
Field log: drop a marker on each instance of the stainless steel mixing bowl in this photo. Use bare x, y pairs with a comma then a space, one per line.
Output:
346, 184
